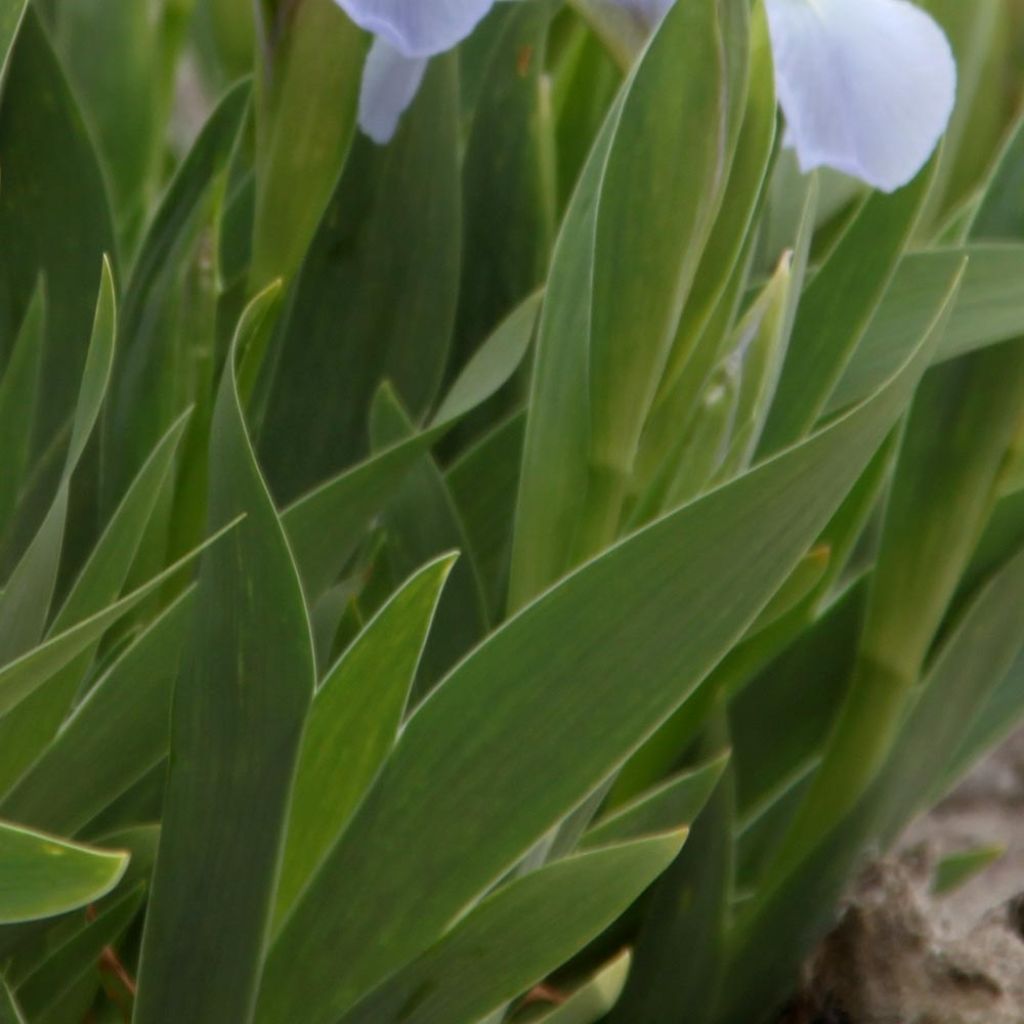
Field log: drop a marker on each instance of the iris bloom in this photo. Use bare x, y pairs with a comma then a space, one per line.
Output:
866, 86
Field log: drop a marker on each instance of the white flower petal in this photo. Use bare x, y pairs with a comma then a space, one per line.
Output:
418, 28
390, 83
867, 86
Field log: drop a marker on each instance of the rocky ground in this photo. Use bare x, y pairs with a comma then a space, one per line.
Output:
902, 955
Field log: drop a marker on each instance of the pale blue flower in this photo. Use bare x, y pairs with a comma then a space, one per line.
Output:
866, 86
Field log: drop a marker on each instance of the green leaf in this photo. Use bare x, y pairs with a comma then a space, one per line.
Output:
592, 1000
353, 724
62, 220
436, 828
517, 935
27, 729
672, 805
482, 482
325, 526
19, 393
25, 604
22, 677
989, 309
683, 931
146, 391
310, 63
421, 522
391, 228
622, 267
41, 876
838, 305
127, 710
975, 658
11, 13
959, 868
240, 701
76, 957
508, 179
10, 1012
939, 500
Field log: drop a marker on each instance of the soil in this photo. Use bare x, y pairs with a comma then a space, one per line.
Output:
901, 954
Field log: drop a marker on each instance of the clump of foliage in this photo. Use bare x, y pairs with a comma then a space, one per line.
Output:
512, 573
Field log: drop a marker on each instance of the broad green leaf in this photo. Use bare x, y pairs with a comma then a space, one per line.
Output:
436, 828
648, 241
146, 392
795, 900
78, 956
22, 677
802, 689
1000, 212
837, 307
988, 310
19, 394
421, 522
508, 179
622, 267
60, 218
25, 604
592, 1000
240, 700
683, 931
940, 498
325, 526
112, 58
353, 724
998, 718
391, 229
672, 805
959, 868
517, 935
975, 658
28, 728
736, 218
308, 74
126, 711
41, 876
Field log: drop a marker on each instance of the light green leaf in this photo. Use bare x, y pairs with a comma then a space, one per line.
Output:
517, 935
838, 305
672, 805
959, 868
352, 725
25, 603
988, 310
41, 876
239, 704
307, 80
127, 711
436, 828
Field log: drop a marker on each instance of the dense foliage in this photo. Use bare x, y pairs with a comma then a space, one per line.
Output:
511, 573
